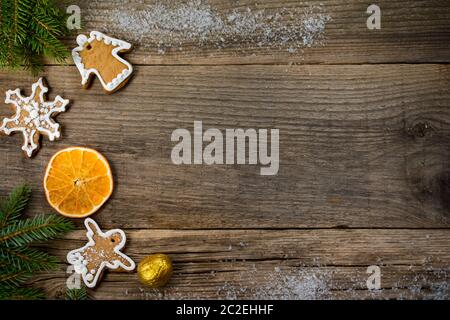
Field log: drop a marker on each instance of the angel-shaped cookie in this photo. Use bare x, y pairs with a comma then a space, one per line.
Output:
102, 251
33, 116
99, 55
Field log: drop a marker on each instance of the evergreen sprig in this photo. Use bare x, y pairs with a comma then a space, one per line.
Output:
22, 294
39, 228
16, 202
77, 294
29, 31
19, 261
28, 259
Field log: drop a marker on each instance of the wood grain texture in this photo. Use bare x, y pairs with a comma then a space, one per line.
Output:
282, 264
412, 31
364, 148
360, 146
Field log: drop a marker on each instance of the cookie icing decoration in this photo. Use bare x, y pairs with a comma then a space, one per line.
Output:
33, 116
101, 252
99, 55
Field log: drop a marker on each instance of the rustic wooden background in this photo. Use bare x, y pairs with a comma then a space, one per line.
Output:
364, 148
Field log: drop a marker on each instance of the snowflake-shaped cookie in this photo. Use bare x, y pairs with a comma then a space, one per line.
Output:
102, 251
33, 116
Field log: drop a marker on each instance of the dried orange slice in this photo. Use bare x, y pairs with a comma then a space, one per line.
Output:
78, 181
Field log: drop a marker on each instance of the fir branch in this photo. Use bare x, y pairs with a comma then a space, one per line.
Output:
24, 258
20, 20
22, 294
11, 208
29, 31
30, 62
39, 228
45, 19
77, 294
18, 261
12, 278
47, 26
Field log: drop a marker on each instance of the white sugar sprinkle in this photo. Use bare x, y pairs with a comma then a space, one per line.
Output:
173, 26
282, 285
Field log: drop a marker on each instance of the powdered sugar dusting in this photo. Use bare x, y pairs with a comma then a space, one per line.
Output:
284, 285
168, 26
299, 286
305, 283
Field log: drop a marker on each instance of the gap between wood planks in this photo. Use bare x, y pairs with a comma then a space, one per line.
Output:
269, 64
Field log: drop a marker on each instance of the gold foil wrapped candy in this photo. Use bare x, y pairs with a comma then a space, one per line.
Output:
155, 270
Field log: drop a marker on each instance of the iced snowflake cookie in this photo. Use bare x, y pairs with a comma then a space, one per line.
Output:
99, 55
33, 116
102, 251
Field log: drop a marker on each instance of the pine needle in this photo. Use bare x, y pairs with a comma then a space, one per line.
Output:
11, 278
29, 31
39, 228
11, 208
19, 262
22, 294
23, 258
77, 294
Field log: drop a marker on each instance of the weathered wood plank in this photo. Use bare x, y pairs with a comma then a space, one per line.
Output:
360, 146
313, 247
267, 281
284, 264
412, 31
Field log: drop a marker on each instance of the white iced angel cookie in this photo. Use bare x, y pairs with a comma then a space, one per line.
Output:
33, 116
99, 55
102, 251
